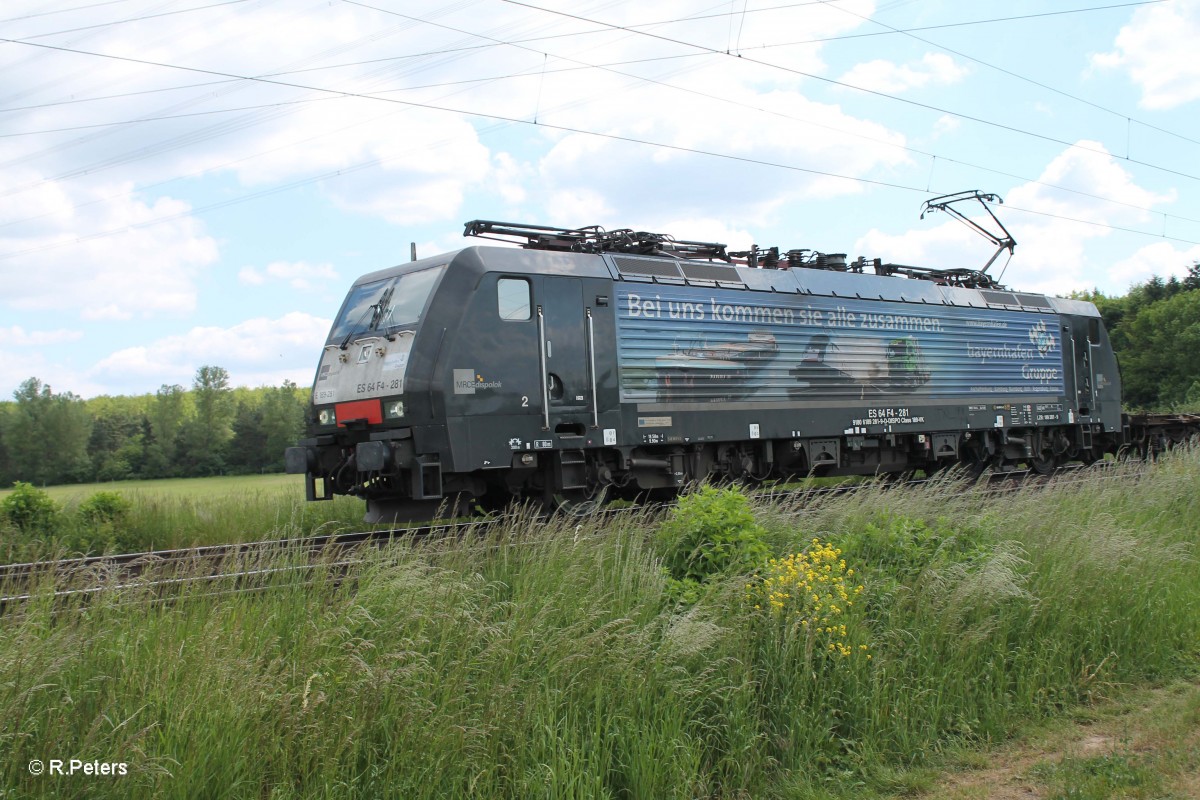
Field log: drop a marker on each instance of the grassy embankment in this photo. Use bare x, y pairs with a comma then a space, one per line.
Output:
185, 512
555, 661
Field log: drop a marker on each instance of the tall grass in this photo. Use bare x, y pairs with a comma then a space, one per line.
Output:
554, 661
157, 520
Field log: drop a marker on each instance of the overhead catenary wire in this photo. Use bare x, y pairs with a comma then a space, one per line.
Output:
632, 28
232, 77
142, 18
835, 82
789, 116
194, 137
566, 129
327, 98
1018, 76
585, 65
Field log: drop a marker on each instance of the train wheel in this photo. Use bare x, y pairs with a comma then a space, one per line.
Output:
934, 467
1043, 464
577, 502
975, 461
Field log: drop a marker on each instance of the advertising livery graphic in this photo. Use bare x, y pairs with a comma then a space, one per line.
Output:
679, 344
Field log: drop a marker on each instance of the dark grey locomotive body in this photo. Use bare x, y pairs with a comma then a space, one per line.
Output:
494, 373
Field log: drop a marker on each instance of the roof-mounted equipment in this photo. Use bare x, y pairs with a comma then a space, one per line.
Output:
769, 258
594, 239
1003, 242
965, 278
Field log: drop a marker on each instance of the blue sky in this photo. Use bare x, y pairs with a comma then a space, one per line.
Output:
189, 182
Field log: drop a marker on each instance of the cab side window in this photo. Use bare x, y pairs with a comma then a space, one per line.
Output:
513, 299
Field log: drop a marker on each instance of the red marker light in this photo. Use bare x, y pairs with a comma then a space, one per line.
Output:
370, 410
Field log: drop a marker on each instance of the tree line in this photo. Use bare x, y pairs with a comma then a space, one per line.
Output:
1155, 332
49, 437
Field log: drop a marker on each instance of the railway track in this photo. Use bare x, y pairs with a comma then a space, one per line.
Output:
243, 562
250, 566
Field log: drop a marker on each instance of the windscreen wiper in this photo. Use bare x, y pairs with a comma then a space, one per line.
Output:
378, 311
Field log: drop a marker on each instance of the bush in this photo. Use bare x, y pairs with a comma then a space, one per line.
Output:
105, 508
711, 532
103, 526
30, 509
903, 547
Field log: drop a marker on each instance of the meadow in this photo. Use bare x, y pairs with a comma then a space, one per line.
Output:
174, 513
730, 648
199, 488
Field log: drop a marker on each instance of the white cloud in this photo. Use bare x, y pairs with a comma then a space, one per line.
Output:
282, 133
1052, 254
934, 69
250, 351
18, 365
298, 274
401, 163
109, 313
139, 268
1089, 169
1158, 50
1160, 258
583, 178
251, 276
569, 206
19, 337
507, 177
946, 125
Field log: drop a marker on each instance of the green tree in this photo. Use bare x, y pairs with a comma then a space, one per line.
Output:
203, 438
23, 435
7, 467
115, 445
1192, 281
282, 421
47, 435
165, 415
1160, 361
214, 401
247, 448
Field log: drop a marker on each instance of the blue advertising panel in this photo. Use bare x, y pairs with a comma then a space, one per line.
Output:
689, 344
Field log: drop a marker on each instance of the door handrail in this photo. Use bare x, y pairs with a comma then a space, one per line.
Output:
541, 320
592, 369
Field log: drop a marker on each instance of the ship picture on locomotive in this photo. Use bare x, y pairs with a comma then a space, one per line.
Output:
710, 370
810, 347
590, 363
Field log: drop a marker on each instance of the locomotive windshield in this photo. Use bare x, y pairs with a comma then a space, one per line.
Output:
408, 299
383, 304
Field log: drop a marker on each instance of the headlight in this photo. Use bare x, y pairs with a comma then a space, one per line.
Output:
326, 416
394, 410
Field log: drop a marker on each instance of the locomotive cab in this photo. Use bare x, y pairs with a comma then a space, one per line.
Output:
426, 363
369, 412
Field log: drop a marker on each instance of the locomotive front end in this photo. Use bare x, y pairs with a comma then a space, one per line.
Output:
368, 412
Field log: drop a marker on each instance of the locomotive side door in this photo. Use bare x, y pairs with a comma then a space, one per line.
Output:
1082, 345
567, 393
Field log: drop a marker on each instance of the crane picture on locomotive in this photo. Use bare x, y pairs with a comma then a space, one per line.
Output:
588, 363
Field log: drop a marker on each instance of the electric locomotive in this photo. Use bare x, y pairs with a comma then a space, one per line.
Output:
587, 363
